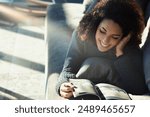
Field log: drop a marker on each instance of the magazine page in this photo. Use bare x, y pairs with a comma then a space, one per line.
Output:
112, 92
84, 88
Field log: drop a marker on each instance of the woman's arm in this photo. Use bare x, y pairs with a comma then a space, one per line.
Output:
73, 60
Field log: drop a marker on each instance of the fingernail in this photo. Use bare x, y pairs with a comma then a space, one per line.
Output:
73, 90
75, 87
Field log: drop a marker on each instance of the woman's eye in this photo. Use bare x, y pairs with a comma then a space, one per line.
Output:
101, 31
116, 38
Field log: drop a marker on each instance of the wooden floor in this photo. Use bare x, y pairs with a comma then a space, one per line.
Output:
22, 58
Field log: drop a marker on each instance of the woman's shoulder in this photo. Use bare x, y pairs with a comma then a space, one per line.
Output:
133, 54
133, 49
132, 58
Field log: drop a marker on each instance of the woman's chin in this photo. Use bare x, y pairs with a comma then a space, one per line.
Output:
103, 49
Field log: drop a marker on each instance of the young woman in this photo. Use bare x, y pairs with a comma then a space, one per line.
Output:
105, 48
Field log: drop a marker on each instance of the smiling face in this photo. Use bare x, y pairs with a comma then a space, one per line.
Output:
108, 35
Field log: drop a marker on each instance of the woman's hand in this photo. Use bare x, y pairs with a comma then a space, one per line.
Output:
122, 44
66, 90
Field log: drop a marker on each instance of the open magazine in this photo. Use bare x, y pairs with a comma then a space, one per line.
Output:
85, 90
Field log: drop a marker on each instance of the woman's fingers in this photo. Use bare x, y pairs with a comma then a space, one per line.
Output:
66, 90
67, 95
124, 41
122, 44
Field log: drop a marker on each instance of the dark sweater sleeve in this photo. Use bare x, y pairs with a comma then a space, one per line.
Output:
130, 69
73, 60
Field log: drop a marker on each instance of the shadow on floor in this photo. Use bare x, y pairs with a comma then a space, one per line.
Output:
6, 94
22, 62
10, 26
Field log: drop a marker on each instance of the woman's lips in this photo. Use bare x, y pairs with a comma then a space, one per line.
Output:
104, 45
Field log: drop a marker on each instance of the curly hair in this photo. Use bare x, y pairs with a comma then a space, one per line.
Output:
126, 13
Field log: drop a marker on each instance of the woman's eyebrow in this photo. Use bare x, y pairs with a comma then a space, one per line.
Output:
116, 35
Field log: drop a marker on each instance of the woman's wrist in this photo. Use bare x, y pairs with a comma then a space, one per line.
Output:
119, 53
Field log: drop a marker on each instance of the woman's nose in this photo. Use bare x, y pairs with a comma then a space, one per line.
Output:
105, 40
